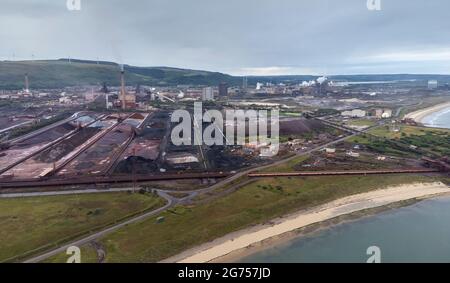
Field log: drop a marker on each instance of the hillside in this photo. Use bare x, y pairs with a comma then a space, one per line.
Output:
61, 73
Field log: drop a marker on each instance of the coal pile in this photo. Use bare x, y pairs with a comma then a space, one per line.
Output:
152, 133
299, 126
50, 135
219, 157
60, 150
137, 165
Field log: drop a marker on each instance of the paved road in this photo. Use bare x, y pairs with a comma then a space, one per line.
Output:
68, 192
81, 242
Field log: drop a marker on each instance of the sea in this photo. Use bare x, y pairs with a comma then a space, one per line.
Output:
415, 233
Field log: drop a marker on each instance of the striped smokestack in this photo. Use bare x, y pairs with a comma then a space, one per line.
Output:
122, 86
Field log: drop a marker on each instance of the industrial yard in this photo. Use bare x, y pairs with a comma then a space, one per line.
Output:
103, 158
123, 155
131, 145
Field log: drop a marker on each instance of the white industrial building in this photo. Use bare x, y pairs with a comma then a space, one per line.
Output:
207, 94
356, 113
432, 84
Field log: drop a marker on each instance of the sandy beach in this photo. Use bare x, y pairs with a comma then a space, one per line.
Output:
419, 115
242, 240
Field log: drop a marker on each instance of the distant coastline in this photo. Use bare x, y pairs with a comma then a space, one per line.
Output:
421, 114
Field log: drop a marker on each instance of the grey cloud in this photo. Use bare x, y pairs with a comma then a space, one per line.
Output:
233, 35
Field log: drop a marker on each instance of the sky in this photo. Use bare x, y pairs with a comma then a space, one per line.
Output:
238, 37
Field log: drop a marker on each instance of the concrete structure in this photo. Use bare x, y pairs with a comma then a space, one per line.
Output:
383, 113
356, 113
207, 94
122, 87
244, 84
432, 84
130, 101
353, 154
223, 90
26, 91
27, 85
387, 113
259, 86
65, 100
182, 158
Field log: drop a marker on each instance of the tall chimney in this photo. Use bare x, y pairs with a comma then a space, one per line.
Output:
122, 86
27, 87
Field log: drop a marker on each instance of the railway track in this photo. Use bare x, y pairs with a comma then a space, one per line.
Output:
86, 147
46, 128
30, 183
115, 159
53, 143
343, 173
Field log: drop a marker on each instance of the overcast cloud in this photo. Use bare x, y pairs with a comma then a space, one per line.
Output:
259, 37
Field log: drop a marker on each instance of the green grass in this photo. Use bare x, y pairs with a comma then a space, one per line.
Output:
288, 166
404, 130
432, 140
188, 226
291, 114
362, 123
87, 255
32, 223
61, 73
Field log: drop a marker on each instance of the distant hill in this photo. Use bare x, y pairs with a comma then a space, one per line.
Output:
61, 73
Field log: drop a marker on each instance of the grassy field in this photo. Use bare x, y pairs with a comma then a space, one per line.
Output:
361, 123
435, 141
288, 166
384, 146
188, 226
31, 223
406, 131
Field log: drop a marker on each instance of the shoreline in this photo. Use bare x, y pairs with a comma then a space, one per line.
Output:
310, 230
421, 114
231, 247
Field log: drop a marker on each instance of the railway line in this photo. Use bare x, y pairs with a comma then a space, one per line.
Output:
46, 128
52, 182
85, 147
49, 145
344, 173
115, 159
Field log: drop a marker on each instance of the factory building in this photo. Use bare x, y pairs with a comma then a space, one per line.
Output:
356, 113
432, 84
382, 113
207, 94
259, 86
223, 90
